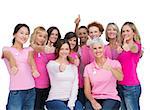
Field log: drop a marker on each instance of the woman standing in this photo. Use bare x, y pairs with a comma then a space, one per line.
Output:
22, 92
130, 88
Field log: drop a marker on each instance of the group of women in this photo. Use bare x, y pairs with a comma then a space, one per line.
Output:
67, 74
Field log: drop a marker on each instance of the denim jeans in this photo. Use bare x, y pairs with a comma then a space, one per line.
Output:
21, 99
41, 96
107, 104
129, 97
62, 105
81, 96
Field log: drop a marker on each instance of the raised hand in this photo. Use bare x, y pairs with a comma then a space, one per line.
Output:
77, 20
119, 49
107, 66
49, 48
62, 67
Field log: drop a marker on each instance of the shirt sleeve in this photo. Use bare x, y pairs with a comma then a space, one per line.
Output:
116, 64
4, 49
74, 93
30, 49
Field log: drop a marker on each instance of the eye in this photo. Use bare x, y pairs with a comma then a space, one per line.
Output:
99, 47
123, 31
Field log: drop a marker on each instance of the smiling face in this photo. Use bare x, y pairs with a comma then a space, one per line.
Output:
64, 51
22, 35
40, 38
97, 50
127, 32
111, 32
83, 35
94, 32
53, 36
72, 41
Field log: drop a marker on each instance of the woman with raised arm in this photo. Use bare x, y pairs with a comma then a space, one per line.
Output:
130, 88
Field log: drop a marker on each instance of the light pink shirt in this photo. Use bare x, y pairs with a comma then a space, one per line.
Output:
64, 85
103, 82
110, 52
129, 63
41, 60
23, 79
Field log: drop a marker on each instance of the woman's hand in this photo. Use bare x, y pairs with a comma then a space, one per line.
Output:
77, 20
77, 61
96, 105
35, 74
62, 67
49, 48
14, 70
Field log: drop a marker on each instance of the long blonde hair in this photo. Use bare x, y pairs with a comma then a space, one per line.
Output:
36, 31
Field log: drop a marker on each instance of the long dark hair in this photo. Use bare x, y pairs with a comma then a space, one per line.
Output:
70, 35
16, 29
49, 31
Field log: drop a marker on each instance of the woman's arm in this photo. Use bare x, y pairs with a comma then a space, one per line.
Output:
87, 91
31, 61
37, 48
74, 92
116, 71
11, 60
133, 48
77, 21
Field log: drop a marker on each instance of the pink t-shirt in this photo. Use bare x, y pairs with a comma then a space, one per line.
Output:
110, 52
41, 60
23, 79
103, 82
85, 58
129, 63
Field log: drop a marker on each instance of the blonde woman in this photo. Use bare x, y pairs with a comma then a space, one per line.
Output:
130, 88
112, 49
39, 38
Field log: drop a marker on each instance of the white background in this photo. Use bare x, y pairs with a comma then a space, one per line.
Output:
61, 13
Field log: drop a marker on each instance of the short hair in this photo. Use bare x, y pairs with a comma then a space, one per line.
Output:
96, 41
83, 27
36, 31
96, 24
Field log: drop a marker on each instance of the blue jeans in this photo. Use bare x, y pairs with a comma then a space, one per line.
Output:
81, 96
129, 97
21, 100
62, 105
107, 104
